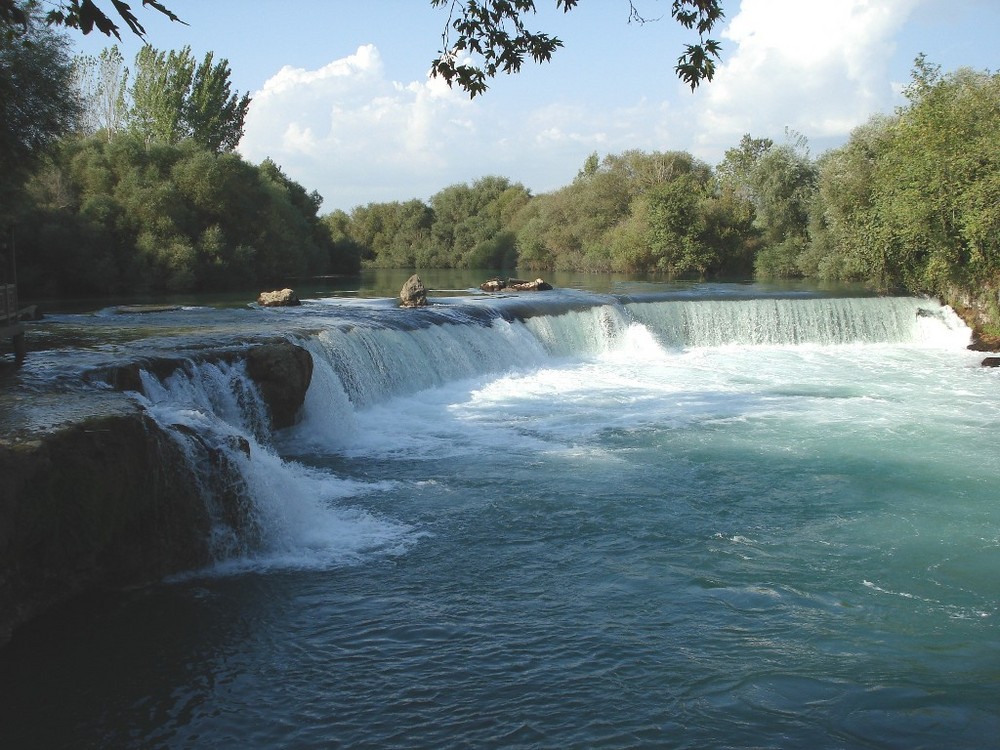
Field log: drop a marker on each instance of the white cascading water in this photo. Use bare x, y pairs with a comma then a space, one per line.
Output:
295, 516
756, 322
300, 516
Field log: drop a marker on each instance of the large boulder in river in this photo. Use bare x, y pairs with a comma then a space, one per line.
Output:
413, 293
519, 285
279, 298
282, 372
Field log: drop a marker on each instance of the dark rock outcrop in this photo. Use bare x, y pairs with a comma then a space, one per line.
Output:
107, 502
413, 293
279, 298
977, 308
102, 496
282, 372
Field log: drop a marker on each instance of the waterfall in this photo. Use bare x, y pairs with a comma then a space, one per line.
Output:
756, 322
269, 509
265, 510
364, 364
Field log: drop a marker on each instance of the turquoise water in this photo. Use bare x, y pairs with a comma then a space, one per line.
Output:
629, 522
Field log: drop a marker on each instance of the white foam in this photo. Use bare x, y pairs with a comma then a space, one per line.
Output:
304, 517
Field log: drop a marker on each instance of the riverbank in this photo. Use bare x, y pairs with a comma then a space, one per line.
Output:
106, 497
980, 311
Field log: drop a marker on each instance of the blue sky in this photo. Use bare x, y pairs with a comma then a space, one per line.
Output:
342, 100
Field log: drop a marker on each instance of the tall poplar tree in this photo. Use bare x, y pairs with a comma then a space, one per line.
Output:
103, 84
173, 98
214, 115
159, 92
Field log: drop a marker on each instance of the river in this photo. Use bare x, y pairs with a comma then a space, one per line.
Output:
614, 515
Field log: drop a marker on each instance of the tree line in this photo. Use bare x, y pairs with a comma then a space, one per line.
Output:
122, 178
126, 180
910, 203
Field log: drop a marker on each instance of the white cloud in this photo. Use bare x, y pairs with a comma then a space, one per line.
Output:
817, 67
356, 136
348, 131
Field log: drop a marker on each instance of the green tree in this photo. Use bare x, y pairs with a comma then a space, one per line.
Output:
173, 99
735, 172
346, 251
602, 221
677, 229
214, 115
129, 216
467, 216
38, 103
85, 15
495, 35
937, 190
843, 221
783, 182
159, 93
103, 83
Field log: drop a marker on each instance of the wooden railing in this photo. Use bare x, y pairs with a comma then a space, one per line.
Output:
8, 304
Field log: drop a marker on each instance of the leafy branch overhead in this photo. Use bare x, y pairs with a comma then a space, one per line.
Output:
85, 15
698, 61
481, 38
485, 37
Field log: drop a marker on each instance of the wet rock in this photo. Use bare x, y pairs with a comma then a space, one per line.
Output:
127, 376
106, 502
515, 285
145, 309
280, 298
991, 362
104, 497
413, 293
519, 285
282, 372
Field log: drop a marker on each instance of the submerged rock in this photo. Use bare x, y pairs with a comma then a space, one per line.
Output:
413, 293
144, 309
280, 298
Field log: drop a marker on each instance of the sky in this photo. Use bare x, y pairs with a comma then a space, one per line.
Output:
343, 101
